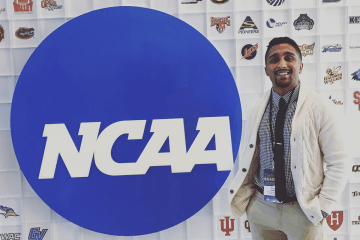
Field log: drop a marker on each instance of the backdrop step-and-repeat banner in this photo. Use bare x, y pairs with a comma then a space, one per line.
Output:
327, 32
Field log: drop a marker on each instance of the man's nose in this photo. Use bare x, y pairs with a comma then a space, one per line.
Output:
282, 63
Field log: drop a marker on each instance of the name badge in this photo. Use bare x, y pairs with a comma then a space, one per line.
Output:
269, 186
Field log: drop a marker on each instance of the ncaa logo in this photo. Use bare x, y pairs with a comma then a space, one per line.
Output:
128, 132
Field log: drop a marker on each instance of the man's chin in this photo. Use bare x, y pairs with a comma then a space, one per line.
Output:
283, 83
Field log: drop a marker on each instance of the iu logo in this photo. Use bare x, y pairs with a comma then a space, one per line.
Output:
36, 234
335, 219
227, 225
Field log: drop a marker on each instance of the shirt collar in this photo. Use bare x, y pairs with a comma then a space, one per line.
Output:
276, 97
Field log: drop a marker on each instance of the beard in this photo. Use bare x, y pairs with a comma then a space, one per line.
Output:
282, 84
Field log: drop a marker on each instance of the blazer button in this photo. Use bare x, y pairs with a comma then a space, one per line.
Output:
295, 167
312, 216
231, 191
251, 146
244, 169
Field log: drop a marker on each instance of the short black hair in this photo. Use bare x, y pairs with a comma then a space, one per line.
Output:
280, 40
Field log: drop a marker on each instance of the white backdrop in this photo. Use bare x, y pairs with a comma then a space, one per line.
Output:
335, 32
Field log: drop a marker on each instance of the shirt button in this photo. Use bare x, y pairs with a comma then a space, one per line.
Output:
231, 191
244, 169
251, 146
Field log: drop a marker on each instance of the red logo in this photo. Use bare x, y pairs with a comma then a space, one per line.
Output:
335, 220
227, 229
247, 226
23, 5
357, 97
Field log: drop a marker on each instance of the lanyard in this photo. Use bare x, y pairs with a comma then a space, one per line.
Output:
270, 117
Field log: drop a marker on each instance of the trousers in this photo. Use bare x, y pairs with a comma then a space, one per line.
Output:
270, 220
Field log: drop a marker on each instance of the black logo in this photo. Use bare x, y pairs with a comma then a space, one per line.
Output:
354, 19
326, 1
24, 33
303, 22
249, 51
219, 1
275, 2
248, 23
332, 48
356, 75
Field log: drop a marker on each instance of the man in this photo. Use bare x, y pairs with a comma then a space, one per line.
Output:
291, 132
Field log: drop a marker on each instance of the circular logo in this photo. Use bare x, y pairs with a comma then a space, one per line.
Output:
249, 51
270, 23
126, 121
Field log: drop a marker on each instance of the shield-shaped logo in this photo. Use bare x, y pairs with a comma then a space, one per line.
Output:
335, 219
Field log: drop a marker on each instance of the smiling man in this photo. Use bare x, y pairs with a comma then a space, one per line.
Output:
290, 136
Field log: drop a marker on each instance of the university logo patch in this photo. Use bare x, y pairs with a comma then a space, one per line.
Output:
335, 219
271, 23
36, 234
145, 133
24, 33
8, 211
356, 75
249, 51
356, 168
332, 75
303, 22
23, 6
220, 23
332, 48
307, 49
275, 2
219, 1
2, 33
354, 19
248, 24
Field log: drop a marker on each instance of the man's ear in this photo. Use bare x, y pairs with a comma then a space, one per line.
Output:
301, 67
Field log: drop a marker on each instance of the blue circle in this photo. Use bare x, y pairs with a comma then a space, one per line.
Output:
123, 64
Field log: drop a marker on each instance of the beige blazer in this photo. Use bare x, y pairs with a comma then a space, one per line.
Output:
317, 138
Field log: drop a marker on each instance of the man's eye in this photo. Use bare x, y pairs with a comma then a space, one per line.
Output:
274, 60
289, 58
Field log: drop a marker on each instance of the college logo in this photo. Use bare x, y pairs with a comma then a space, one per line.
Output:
247, 226
356, 222
190, 1
332, 48
307, 49
23, 6
24, 33
36, 234
249, 51
50, 5
354, 19
332, 75
134, 138
220, 23
2, 33
248, 23
2, 10
356, 194
8, 211
227, 225
219, 1
303, 22
356, 75
10, 236
336, 102
275, 2
327, 1
271, 23
356, 168
354, 47
335, 219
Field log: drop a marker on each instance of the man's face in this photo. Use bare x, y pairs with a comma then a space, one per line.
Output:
283, 67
